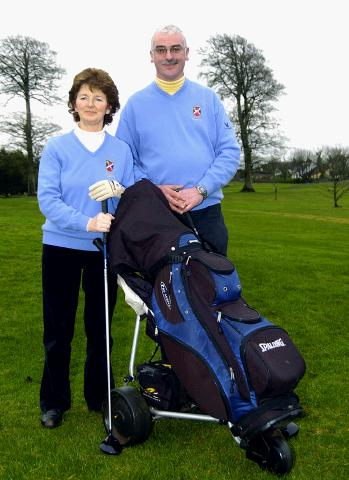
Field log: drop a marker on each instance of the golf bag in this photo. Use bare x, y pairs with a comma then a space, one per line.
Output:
232, 362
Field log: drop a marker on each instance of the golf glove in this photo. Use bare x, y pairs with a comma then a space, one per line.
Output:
104, 189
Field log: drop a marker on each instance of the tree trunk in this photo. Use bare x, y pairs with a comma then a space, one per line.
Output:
248, 187
29, 141
248, 184
335, 198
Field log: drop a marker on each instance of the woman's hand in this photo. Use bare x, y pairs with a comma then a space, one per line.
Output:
100, 223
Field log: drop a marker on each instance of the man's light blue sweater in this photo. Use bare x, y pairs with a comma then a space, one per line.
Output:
185, 138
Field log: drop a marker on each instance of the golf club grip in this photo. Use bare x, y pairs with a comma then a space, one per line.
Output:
97, 242
105, 210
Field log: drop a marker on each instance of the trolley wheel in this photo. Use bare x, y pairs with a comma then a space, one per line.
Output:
280, 458
131, 419
271, 451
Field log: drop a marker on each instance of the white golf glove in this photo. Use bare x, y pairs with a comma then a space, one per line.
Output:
104, 189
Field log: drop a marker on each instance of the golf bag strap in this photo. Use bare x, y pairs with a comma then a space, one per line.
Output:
186, 218
177, 256
214, 261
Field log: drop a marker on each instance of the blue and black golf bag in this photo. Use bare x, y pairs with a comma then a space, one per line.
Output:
233, 363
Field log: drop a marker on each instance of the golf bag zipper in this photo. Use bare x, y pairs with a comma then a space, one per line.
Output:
219, 319
220, 329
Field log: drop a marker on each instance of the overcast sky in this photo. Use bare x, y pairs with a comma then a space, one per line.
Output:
305, 43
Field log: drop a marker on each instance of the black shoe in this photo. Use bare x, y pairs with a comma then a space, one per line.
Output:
94, 407
94, 410
51, 418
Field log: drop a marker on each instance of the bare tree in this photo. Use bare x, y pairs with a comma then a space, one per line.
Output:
238, 70
337, 160
28, 70
15, 127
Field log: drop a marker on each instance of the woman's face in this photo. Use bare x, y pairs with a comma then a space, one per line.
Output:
91, 105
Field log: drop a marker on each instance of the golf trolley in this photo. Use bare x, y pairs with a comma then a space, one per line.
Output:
133, 408
221, 361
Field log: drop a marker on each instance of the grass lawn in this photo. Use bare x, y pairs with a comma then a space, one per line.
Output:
292, 255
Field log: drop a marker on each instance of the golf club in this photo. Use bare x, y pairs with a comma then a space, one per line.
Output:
110, 445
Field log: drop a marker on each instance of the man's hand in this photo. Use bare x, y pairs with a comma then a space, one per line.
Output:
191, 198
104, 189
173, 196
181, 199
100, 223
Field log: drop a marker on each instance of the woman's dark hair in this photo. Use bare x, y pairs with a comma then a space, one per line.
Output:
95, 78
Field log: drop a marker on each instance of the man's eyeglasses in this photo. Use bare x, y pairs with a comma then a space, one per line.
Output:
174, 50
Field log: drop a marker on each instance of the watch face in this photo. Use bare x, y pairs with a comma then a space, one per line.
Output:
202, 190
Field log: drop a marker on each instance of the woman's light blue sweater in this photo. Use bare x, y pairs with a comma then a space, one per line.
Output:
67, 169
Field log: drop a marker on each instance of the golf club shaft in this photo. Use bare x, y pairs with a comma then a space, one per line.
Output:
107, 328
188, 218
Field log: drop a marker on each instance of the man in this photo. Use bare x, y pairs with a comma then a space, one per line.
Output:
181, 139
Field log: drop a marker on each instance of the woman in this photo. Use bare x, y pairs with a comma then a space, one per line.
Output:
76, 169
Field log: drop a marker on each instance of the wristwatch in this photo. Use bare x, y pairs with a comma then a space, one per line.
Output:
202, 190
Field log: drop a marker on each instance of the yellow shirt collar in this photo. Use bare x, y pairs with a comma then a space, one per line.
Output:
170, 87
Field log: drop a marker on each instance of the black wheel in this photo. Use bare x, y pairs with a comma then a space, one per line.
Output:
271, 451
280, 458
131, 419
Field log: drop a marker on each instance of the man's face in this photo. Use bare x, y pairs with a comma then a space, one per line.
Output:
169, 56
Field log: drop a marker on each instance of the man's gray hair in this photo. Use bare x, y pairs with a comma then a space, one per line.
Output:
168, 29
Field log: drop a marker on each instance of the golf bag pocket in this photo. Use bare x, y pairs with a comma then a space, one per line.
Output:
197, 377
239, 311
273, 364
165, 297
214, 287
160, 386
214, 261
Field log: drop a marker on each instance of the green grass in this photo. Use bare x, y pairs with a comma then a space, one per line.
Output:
293, 262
